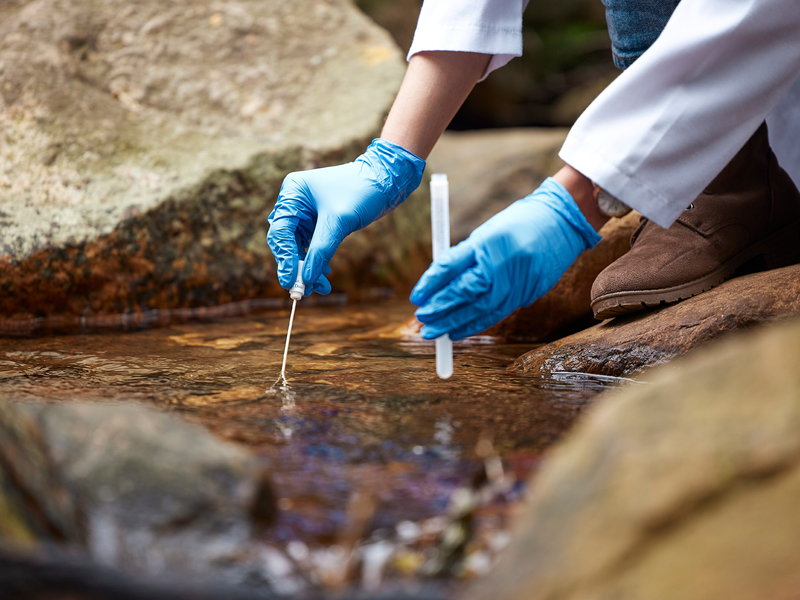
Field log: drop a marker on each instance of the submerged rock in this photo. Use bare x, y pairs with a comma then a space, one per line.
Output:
156, 495
35, 506
144, 145
159, 494
683, 488
626, 345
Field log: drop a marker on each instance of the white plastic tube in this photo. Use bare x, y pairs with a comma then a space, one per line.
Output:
298, 290
440, 224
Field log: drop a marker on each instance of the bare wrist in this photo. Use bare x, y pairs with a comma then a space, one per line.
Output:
584, 192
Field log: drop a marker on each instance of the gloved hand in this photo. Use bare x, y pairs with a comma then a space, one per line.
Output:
511, 260
317, 209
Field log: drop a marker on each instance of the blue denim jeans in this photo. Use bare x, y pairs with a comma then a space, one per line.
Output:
634, 25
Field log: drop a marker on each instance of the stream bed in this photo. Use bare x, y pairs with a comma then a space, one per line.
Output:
366, 448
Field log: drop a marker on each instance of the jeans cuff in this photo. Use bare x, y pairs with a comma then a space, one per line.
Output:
622, 63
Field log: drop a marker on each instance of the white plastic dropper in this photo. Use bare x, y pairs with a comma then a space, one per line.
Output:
296, 292
440, 225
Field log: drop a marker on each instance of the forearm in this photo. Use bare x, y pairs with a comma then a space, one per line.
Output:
434, 88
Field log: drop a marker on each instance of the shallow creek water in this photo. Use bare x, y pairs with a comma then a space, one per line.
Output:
363, 417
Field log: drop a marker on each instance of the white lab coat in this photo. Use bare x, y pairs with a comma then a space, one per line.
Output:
658, 135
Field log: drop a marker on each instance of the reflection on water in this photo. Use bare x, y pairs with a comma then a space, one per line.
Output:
361, 421
283, 390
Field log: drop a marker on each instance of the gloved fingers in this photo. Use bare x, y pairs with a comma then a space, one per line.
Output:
482, 323
456, 319
453, 262
326, 239
321, 285
461, 292
282, 240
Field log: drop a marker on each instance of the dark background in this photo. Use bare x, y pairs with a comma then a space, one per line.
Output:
565, 64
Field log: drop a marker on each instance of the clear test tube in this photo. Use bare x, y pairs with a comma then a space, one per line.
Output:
440, 225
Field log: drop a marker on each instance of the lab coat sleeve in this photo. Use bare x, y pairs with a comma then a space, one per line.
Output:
784, 131
484, 26
658, 135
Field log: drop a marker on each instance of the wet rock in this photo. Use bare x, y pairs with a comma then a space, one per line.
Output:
34, 504
626, 345
159, 494
144, 145
566, 307
683, 488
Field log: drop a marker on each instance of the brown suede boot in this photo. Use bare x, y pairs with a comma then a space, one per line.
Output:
749, 214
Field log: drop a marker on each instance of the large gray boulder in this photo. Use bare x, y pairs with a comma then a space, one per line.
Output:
143, 145
686, 487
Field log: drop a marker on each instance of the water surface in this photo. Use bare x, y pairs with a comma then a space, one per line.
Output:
364, 418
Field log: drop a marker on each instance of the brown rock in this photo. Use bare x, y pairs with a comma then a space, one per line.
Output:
144, 145
625, 345
565, 308
683, 488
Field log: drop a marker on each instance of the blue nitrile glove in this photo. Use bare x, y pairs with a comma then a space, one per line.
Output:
511, 260
317, 209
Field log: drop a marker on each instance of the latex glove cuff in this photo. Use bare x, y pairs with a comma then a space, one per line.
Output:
404, 169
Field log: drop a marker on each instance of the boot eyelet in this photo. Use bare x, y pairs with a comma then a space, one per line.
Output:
690, 207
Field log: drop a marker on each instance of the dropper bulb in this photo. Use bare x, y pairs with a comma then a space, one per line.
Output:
298, 290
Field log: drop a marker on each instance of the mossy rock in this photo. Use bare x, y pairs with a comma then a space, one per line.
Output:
143, 146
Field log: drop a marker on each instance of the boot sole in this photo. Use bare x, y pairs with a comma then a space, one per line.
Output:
780, 249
